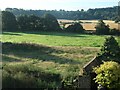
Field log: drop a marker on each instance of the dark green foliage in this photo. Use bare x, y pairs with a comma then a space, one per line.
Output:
117, 20
110, 49
9, 22
35, 23
30, 23
51, 23
114, 32
23, 22
75, 28
28, 76
119, 40
101, 28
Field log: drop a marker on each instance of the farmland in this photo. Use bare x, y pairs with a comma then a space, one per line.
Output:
90, 24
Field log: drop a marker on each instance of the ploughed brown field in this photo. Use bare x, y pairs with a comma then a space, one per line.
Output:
90, 24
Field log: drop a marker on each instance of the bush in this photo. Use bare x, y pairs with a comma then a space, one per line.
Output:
108, 75
75, 28
101, 28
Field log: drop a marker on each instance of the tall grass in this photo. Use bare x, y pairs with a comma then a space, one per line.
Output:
28, 76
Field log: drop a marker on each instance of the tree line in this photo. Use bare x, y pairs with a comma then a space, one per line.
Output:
110, 13
47, 22
29, 22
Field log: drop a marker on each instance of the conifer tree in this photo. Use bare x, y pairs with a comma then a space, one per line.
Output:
110, 49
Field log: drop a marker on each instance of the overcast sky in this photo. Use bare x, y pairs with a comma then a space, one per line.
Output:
57, 4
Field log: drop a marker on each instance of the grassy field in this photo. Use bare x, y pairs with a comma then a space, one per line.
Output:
65, 62
54, 39
56, 54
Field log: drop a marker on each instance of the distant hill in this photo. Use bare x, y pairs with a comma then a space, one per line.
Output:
110, 13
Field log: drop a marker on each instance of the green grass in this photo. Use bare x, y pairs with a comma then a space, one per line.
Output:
54, 39
54, 53
67, 61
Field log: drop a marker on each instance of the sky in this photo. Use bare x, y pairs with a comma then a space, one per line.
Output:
57, 4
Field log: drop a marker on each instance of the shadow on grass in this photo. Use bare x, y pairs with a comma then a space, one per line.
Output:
35, 51
11, 33
67, 34
6, 58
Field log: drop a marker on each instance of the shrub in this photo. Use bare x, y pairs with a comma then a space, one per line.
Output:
108, 75
75, 28
101, 28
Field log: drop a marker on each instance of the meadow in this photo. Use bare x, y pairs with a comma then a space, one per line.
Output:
51, 56
54, 38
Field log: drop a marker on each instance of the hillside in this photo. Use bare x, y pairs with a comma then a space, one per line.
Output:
110, 13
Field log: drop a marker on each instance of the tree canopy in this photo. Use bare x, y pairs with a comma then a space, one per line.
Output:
9, 22
29, 22
51, 23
